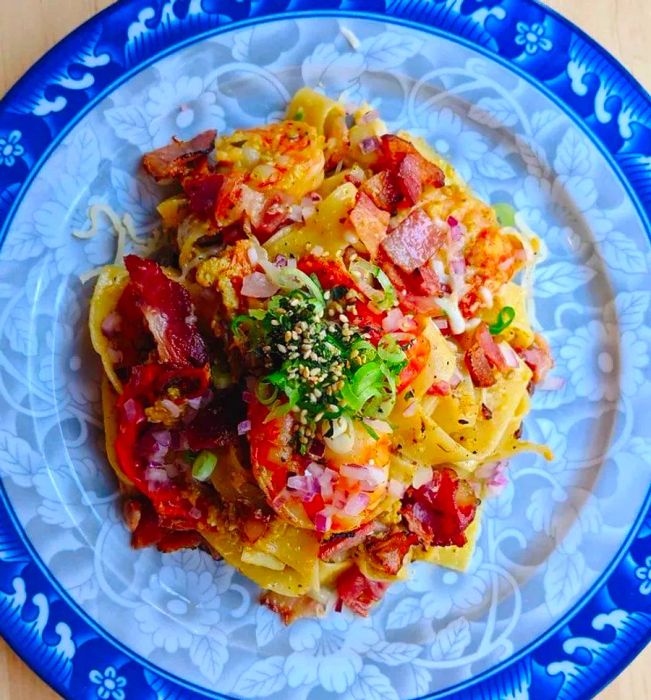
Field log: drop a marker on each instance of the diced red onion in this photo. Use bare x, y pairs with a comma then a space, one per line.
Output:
452, 222
280, 261
258, 286
130, 408
306, 486
315, 469
509, 355
455, 379
195, 402
396, 488
356, 504
369, 116
441, 323
369, 144
326, 481
322, 521
456, 233
156, 475
195, 513
243, 427
374, 475
458, 266
111, 324
393, 320
252, 254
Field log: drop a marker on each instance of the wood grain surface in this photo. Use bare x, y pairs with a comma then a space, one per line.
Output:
28, 28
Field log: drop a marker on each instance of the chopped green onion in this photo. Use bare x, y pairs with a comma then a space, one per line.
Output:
505, 214
370, 430
383, 298
266, 393
204, 464
299, 115
293, 278
239, 321
257, 314
389, 350
504, 320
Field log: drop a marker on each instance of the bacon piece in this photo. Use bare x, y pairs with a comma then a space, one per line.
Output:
489, 346
416, 174
168, 312
173, 540
292, 609
254, 523
358, 592
538, 358
409, 178
370, 223
215, 425
202, 192
480, 369
388, 553
342, 542
482, 355
439, 512
177, 158
383, 190
274, 214
440, 388
413, 242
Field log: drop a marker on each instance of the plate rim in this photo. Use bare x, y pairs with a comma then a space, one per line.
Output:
62, 51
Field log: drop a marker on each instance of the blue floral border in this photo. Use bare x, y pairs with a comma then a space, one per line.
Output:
599, 637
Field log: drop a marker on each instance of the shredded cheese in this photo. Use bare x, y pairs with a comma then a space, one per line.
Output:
351, 38
122, 227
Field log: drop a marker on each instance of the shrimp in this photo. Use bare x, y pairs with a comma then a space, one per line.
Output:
337, 493
285, 157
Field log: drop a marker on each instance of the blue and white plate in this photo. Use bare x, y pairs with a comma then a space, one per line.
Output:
558, 597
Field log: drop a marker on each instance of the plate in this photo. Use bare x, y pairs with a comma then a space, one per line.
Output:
531, 112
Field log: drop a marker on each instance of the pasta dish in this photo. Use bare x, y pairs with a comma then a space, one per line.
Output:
321, 368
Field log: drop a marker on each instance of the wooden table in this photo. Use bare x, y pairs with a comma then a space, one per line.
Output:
29, 27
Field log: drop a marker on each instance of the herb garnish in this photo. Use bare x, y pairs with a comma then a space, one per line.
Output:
318, 363
504, 320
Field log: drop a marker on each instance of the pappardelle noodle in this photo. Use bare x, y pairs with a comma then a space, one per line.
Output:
322, 368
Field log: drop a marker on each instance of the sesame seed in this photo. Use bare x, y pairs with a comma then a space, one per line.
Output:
343, 318
282, 348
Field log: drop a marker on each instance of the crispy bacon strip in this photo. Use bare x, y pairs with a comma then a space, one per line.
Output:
538, 358
483, 357
388, 553
412, 171
439, 512
343, 542
413, 242
383, 190
291, 609
358, 592
168, 311
370, 223
177, 158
